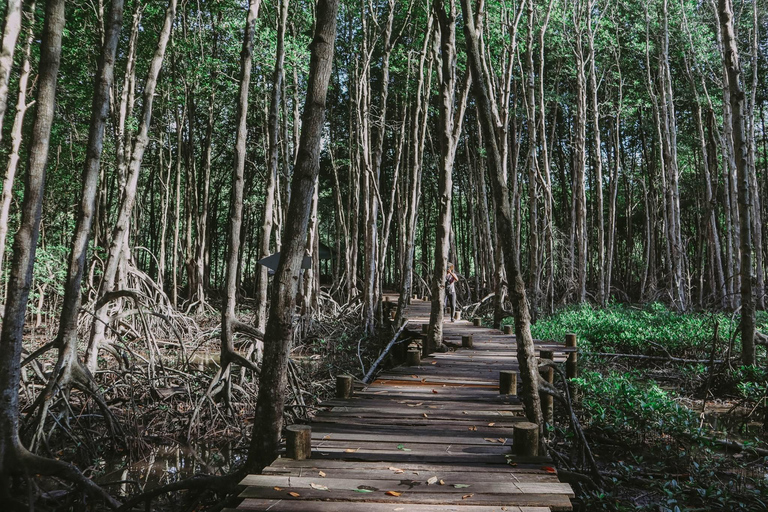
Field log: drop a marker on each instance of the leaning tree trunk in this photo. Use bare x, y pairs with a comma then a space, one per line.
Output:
101, 318
15, 461
279, 331
733, 69
69, 371
525, 348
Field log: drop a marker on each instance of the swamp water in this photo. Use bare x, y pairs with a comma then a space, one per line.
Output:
169, 463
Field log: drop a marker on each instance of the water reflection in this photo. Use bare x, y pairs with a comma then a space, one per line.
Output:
168, 463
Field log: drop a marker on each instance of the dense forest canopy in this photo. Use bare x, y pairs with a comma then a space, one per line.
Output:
626, 142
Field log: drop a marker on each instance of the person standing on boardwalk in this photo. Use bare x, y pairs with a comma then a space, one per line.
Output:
450, 290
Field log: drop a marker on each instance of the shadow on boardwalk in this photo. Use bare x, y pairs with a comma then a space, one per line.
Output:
434, 437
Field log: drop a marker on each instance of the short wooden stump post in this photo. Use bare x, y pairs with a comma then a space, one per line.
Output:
509, 329
548, 374
414, 357
424, 328
298, 442
457, 315
507, 382
476, 322
572, 364
525, 439
547, 354
343, 386
466, 341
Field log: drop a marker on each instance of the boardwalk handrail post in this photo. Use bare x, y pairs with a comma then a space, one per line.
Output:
467, 341
414, 357
572, 363
476, 322
507, 382
547, 401
525, 439
298, 442
343, 386
509, 329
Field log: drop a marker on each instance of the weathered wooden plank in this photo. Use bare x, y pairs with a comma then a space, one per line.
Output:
411, 483
290, 505
556, 502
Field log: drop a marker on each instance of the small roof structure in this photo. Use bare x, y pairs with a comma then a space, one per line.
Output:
273, 260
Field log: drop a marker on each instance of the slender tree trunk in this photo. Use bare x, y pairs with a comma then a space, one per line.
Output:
269, 199
733, 73
279, 331
120, 230
16, 131
11, 31
525, 348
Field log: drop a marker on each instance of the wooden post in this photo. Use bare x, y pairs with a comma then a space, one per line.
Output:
424, 328
525, 439
466, 341
507, 382
343, 386
457, 315
509, 329
414, 357
426, 348
548, 374
476, 322
547, 354
298, 442
571, 364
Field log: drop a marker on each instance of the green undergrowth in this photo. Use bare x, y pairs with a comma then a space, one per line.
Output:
643, 416
652, 329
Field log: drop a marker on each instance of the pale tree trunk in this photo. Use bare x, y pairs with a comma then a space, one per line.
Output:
229, 322
69, 371
120, 231
279, 332
269, 199
417, 141
11, 31
733, 73
15, 461
669, 150
451, 121
602, 294
534, 277
525, 347
757, 226
549, 244
16, 131
580, 163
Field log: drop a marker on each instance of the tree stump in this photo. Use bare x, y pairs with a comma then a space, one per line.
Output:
466, 341
414, 357
507, 382
548, 374
343, 386
298, 442
525, 439
476, 322
509, 329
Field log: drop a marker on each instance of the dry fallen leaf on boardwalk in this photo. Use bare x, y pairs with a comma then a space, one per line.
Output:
294, 494
467, 496
322, 474
278, 488
319, 487
432, 480
393, 493
472, 428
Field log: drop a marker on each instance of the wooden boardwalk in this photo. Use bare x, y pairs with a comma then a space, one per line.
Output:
435, 437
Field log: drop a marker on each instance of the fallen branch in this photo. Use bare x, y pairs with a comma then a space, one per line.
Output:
383, 354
